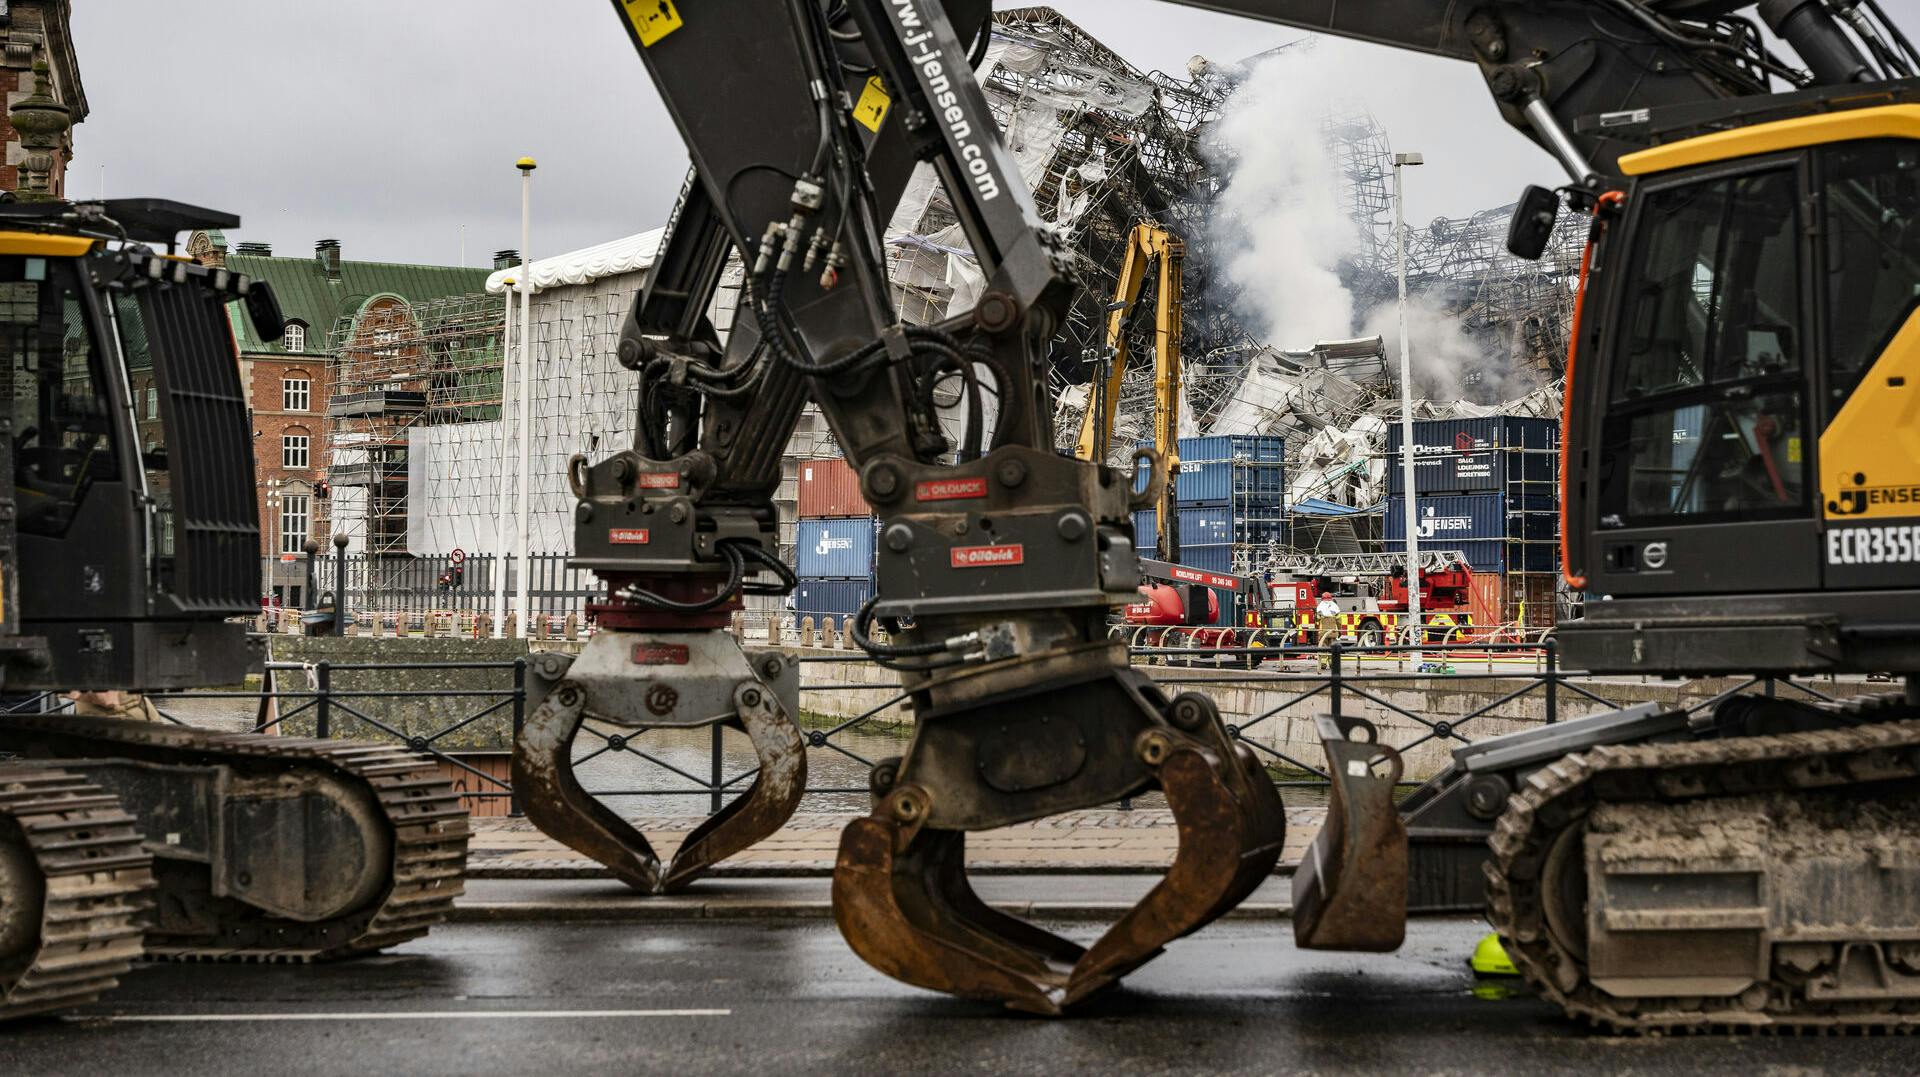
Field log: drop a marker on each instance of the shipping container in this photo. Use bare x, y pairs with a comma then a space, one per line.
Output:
830, 487
1497, 533
1213, 526
836, 548
1218, 482
1255, 448
1518, 455
835, 598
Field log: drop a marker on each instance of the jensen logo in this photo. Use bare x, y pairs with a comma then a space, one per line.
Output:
1431, 525
828, 544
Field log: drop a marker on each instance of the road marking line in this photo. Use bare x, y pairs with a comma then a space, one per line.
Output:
416, 1015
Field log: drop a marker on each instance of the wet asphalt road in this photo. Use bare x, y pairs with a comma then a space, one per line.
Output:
782, 998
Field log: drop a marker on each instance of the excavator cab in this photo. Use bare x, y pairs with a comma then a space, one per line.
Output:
127, 457
1744, 377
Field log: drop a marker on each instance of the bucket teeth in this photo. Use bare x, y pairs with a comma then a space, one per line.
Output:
904, 904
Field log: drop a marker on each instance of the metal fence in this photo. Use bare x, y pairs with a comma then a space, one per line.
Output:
404, 583
1340, 679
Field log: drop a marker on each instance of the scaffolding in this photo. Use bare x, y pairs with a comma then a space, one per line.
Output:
398, 366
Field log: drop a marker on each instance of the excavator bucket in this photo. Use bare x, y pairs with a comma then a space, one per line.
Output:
713, 682
1351, 890
900, 891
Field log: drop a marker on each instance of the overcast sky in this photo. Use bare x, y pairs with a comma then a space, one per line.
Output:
390, 124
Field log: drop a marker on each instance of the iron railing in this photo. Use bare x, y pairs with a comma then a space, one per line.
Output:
1337, 678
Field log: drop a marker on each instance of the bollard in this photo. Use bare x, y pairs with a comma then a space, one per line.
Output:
739, 627
573, 627
806, 631
773, 630
844, 641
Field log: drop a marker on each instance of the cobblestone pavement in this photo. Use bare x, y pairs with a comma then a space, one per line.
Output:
1142, 840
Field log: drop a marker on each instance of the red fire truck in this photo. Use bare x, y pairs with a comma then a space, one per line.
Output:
1371, 591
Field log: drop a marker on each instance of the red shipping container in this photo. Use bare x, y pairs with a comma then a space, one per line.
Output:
830, 487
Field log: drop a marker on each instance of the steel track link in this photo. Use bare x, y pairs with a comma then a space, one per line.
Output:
430, 831
89, 878
1560, 796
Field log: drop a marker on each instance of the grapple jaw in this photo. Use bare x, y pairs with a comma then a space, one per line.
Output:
1351, 890
900, 891
641, 680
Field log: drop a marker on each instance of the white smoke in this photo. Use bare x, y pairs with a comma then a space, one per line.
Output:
1278, 220
1283, 227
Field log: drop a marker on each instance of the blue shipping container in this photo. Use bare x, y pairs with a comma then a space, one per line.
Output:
1519, 455
1258, 448
1495, 532
840, 548
1218, 482
830, 598
1213, 526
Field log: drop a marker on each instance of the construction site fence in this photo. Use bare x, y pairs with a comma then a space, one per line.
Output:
1329, 679
409, 584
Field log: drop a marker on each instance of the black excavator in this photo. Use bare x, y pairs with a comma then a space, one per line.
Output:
1742, 474
129, 547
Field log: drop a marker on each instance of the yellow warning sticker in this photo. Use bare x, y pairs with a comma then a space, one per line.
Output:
1793, 450
871, 109
652, 19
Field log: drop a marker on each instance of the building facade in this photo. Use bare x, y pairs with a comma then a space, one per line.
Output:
292, 383
40, 76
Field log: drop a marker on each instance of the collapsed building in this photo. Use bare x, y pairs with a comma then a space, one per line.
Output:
1103, 145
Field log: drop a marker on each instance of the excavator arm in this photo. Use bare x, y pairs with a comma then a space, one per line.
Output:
1152, 254
1578, 76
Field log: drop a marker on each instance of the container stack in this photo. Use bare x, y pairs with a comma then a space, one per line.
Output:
834, 546
1230, 495
1488, 487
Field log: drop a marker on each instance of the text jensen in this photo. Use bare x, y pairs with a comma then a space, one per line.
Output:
972, 155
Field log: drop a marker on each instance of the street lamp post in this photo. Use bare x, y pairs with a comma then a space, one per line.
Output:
274, 541
526, 167
1401, 161
500, 494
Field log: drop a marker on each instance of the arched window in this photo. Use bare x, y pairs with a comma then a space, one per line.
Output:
296, 391
293, 449
295, 339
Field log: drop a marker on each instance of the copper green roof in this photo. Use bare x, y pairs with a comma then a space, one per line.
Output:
309, 296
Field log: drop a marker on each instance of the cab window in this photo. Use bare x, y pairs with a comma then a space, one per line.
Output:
1707, 400
55, 390
1871, 239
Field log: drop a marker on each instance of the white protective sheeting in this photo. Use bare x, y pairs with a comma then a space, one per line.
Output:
629, 254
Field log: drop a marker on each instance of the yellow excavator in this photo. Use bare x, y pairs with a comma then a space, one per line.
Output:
1153, 255
1742, 496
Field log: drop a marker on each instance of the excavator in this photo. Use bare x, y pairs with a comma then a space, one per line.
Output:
1741, 478
129, 553
1153, 255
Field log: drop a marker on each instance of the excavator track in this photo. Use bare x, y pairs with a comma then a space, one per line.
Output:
1789, 863
75, 889
429, 832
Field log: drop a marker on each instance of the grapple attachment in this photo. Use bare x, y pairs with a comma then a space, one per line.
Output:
900, 890
650, 680
1351, 890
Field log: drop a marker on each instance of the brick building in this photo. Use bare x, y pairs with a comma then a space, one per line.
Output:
290, 381
41, 79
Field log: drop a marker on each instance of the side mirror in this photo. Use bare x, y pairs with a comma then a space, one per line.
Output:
263, 310
1532, 224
